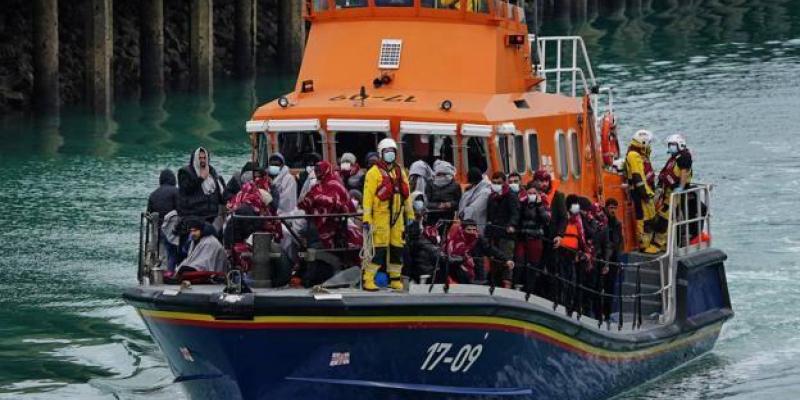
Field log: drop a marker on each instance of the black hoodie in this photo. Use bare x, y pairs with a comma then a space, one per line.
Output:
192, 201
165, 198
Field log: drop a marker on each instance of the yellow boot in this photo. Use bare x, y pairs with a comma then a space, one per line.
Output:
395, 277
368, 279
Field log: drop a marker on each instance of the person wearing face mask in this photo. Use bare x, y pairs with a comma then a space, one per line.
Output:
475, 199
351, 173
284, 182
502, 219
515, 183
443, 194
573, 251
387, 207
422, 242
641, 183
465, 242
675, 177
534, 220
306, 178
327, 197
420, 175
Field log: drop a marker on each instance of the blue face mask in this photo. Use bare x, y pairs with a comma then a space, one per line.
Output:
514, 187
389, 157
419, 205
672, 149
274, 170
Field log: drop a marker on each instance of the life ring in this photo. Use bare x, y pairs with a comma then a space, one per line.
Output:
609, 143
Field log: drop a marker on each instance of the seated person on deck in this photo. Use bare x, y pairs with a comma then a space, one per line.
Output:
206, 253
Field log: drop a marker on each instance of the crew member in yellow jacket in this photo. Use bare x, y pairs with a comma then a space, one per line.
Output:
641, 181
387, 207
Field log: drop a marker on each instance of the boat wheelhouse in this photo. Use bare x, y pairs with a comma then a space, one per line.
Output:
463, 81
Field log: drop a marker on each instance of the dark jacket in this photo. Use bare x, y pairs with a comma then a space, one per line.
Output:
450, 193
192, 201
534, 220
502, 212
559, 215
597, 235
165, 198
616, 242
422, 252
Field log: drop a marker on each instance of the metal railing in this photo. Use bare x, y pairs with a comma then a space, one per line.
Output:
689, 232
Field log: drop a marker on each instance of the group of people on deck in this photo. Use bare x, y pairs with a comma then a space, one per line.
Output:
420, 224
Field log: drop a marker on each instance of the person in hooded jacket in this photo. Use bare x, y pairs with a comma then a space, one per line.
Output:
284, 182
443, 194
465, 243
237, 180
534, 222
475, 199
422, 242
548, 188
199, 193
502, 219
420, 175
163, 201
352, 174
165, 198
328, 196
573, 253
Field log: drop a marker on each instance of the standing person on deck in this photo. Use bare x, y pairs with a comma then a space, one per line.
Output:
573, 251
675, 177
387, 207
534, 221
284, 182
306, 179
328, 196
556, 201
641, 181
502, 219
199, 193
475, 199
443, 194
352, 174
420, 175
616, 248
164, 201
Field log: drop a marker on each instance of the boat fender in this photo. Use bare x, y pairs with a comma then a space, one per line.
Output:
234, 306
609, 142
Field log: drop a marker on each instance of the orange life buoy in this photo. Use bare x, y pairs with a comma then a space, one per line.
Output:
609, 143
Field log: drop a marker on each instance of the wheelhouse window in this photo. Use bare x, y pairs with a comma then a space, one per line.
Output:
428, 148
533, 150
504, 147
575, 154
561, 155
320, 5
519, 153
358, 143
349, 3
394, 3
295, 145
477, 154
262, 149
480, 6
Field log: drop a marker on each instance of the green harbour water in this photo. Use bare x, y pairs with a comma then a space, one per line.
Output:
725, 73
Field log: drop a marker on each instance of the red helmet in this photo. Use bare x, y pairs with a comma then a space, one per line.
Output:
542, 175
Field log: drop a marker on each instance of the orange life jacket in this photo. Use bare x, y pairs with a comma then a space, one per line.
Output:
572, 238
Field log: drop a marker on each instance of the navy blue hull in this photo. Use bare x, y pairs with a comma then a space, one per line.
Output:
350, 362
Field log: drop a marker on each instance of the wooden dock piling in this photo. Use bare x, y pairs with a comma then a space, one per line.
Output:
99, 50
291, 33
46, 97
202, 46
245, 38
152, 47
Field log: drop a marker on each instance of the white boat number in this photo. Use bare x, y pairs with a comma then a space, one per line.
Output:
462, 362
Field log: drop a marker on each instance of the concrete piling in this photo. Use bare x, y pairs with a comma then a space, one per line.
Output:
99, 51
245, 38
152, 47
46, 98
202, 46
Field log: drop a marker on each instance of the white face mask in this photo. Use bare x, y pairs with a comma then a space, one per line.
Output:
514, 187
497, 188
274, 170
345, 166
419, 205
310, 169
575, 209
673, 149
533, 198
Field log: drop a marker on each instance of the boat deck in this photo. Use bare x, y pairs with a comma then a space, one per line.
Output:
422, 294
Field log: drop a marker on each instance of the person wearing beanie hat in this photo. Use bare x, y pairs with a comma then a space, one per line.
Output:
475, 199
284, 183
443, 194
351, 173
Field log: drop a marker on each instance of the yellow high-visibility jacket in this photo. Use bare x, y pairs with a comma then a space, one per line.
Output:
377, 212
